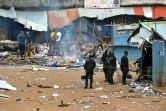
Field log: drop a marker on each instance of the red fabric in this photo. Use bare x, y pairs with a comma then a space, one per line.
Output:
158, 11
138, 10
72, 14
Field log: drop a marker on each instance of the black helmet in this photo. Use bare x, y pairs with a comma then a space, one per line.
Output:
91, 55
110, 53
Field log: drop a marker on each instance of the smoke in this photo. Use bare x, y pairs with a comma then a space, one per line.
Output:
75, 39
69, 44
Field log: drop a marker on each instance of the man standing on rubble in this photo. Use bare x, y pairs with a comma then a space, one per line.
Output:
21, 42
89, 66
103, 59
124, 67
111, 66
28, 39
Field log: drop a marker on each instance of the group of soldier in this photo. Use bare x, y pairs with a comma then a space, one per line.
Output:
109, 67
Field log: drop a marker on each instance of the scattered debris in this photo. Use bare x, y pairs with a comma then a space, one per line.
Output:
156, 100
5, 85
103, 97
63, 104
2, 96
99, 89
56, 87
106, 103
43, 86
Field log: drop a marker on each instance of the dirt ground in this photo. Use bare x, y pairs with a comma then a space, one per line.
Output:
71, 92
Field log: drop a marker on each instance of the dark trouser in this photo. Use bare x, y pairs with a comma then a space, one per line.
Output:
110, 76
90, 76
52, 48
22, 50
124, 71
105, 73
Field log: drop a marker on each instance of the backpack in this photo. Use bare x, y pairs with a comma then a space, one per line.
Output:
90, 65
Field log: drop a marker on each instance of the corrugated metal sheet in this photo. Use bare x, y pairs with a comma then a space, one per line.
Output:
64, 17
158, 59
32, 19
100, 14
61, 18
72, 14
140, 35
159, 27
8, 13
145, 32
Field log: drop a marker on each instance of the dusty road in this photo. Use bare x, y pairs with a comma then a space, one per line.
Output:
71, 92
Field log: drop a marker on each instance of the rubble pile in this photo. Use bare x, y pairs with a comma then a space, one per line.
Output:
7, 45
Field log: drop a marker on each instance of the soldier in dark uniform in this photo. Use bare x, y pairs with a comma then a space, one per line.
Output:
89, 66
111, 66
124, 67
103, 58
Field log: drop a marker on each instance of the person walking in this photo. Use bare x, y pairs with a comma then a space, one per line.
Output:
103, 59
89, 66
111, 67
21, 42
124, 67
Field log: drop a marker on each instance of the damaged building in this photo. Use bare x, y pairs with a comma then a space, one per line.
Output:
150, 38
51, 71
75, 20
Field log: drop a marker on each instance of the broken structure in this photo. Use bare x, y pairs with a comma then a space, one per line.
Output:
151, 37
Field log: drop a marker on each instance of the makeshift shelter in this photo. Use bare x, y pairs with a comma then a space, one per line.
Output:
151, 38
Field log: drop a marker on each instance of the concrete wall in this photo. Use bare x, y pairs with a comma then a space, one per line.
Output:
120, 39
120, 44
133, 52
142, 2
41, 3
70, 3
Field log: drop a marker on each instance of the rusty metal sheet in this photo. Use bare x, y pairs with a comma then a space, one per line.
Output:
53, 22
72, 14
61, 18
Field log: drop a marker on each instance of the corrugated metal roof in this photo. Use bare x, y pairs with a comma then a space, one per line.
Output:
61, 18
158, 27
145, 31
